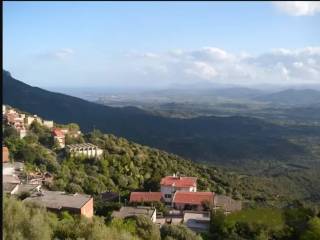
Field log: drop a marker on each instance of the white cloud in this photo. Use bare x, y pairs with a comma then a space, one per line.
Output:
220, 66
202, 70
60, 54
63, 53
299, 8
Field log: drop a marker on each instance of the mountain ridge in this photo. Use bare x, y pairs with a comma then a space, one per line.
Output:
292, 97
207, 139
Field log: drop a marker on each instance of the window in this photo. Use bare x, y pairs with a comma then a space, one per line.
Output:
167, 195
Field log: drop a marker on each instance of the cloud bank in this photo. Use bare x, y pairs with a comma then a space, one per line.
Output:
299, 8
215, 65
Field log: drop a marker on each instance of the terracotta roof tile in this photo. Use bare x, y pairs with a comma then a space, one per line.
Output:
57, 132
192, 197
145, 197
179, 181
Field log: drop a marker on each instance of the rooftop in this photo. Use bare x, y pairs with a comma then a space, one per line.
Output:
57, 132
195, 198
178, 181
8, 187
145, 196
58, 200
27, 188
10, 179
133, 211
81, 145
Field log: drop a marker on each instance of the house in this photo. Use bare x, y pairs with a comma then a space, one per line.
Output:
227, 204
38, 119
29, 120
125, 212
48, 124
59, 137
138, 197
18, 188
10, 179
84, 149
60, 201
8, 169
192, 200
5, 154
197, 221
29, 188
171, 184
22, 132
65, 130
16, 120
12, 168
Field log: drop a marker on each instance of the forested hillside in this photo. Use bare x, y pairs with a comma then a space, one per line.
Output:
128, 166
271, 211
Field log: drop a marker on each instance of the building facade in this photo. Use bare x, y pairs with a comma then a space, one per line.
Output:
60, 201
5, 154
192, 200
84, 149
59, 137
171, 184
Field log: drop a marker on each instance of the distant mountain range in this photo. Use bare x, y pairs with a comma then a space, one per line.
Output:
292, 97
209, 139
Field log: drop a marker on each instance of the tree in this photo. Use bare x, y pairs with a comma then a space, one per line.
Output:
313, 230
178, 232
9, 131
25, 221
146, 230
73, 127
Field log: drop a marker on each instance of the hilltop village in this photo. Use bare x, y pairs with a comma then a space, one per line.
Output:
178, 193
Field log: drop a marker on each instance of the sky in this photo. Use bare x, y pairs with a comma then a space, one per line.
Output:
160, 44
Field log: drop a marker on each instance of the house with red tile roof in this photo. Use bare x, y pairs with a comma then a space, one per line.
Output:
59, 136
139, 197
192, 200
171, 184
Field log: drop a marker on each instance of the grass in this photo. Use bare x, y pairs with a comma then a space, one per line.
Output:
271, 217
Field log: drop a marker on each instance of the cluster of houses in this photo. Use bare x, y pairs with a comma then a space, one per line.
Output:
16, 184
21, 122
188, 206
178, 193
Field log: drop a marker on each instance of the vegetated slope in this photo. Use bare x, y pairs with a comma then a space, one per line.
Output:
210, 139
127, 166
292, 97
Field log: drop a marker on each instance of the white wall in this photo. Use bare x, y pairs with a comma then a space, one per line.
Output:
8, 170
154, 216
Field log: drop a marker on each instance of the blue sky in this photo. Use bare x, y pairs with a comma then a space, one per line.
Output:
110, 43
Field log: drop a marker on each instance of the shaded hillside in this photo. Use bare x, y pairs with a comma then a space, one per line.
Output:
292, 97
218, 139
